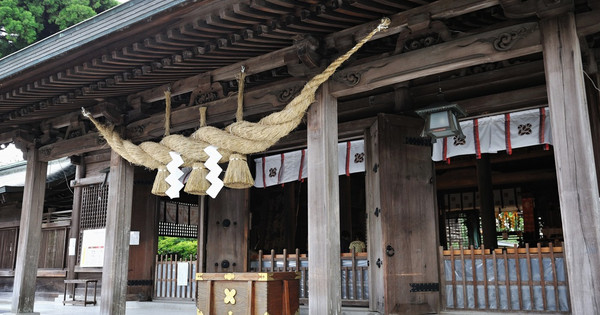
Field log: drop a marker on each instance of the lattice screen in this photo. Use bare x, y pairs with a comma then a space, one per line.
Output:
94, 202
177, 219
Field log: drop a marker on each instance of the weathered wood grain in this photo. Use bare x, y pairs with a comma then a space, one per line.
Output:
30, 234
574, 158
323, 206
116, 247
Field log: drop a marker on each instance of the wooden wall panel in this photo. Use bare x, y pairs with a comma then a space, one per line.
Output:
8, 246
53, 248
228, 242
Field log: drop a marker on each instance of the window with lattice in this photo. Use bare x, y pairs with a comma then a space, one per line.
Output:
177, 219
94, 202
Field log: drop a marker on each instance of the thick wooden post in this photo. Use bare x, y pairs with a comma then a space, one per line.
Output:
486, 195
402, 218
30, 234
324, 284
75, 215
116, 248
574, 158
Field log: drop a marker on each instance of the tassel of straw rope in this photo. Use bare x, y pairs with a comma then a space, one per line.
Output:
246, 137
238, 174
197, 184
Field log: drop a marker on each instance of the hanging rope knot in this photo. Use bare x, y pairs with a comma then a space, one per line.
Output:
85, 113
385, 23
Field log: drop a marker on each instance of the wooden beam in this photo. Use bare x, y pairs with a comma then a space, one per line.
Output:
574, 158
323, 206
505, 101
587, 23
443, 9
254, 65
116, 248
346, 130
463, 52
30, 234
75, 146
467, 178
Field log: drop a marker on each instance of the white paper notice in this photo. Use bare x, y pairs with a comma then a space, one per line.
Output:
72, 244
134, 238
92, 248
182, 273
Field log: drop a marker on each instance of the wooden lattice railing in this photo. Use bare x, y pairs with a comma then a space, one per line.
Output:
167, 272
513, 279
354, 273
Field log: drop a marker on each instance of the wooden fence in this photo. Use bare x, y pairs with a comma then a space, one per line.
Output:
354, 273
174, 277
513, 279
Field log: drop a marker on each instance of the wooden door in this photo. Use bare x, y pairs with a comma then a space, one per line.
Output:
402, 218
227, 232
8, 248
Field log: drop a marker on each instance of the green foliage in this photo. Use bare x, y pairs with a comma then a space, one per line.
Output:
183, 247
23, 22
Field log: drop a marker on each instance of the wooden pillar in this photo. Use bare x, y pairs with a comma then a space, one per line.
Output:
324, 265
75, 215
401, 218
486, 197
574, 158
30, 234
200, 252
116, 248
227, 231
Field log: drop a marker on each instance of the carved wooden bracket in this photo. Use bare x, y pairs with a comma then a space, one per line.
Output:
23, 141
306, 58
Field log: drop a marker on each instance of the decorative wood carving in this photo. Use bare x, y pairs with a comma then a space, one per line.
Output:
348, 78
505, 41
205, 93
428, 34
287, 94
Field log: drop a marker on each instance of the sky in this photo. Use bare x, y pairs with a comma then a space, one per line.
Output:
10, 155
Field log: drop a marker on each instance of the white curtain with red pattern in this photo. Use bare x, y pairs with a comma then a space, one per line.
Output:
497, 133
286, 167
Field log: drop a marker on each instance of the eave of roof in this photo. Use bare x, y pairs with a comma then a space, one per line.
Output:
76, 36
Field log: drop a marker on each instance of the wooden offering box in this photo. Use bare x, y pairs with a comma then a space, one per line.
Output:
248, 293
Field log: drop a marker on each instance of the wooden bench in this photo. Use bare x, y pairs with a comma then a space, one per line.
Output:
75, 282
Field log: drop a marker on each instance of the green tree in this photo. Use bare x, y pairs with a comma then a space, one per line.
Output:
23, 22
183, 247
